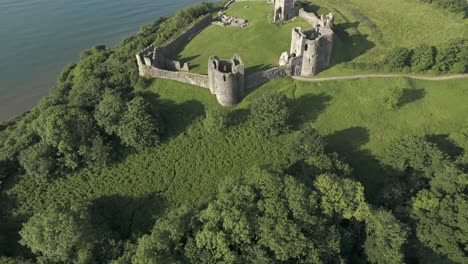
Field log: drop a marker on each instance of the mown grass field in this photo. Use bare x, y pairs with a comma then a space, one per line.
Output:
186, 168
259, 45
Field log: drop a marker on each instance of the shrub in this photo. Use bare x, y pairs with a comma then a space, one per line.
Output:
216, 120
422, 58
138, 128
393, 96
270, 114
398, 58
449, 57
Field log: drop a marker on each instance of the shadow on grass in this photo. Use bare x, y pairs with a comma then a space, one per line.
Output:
366, 167
346, 46
311, 8
445, 145
411, 95
126, 217
176, 117
308, 107
238, 117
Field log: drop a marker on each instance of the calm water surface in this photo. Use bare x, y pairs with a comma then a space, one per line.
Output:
39, 37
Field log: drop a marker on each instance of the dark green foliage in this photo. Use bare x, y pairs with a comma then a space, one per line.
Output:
264, 218
164, 244
309, 150
138, 128
216, 120
58, 235
422, 58
416, 158
393, 96
385, 238
441, 212
270, 114
109, 111
451, 58
398, 59
308, 143
39, 160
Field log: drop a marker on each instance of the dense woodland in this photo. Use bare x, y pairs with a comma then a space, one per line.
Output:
311, 209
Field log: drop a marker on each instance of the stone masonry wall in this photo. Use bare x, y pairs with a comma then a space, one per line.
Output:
172, 46
258, 78
185, 77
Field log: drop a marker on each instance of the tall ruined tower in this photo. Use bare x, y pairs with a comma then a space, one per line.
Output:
226, 79
285, 10
312, 49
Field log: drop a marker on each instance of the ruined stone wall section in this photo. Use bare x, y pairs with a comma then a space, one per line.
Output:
311, 18
258, 78
172, 46
185, 77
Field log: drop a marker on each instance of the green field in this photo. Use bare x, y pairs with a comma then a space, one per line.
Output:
365, 31
260, 44
186, 169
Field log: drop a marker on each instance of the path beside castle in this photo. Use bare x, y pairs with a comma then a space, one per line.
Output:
350, 77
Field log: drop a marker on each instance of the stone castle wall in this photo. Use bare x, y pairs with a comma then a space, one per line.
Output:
185, 77
310, 53
258, 78
172, 46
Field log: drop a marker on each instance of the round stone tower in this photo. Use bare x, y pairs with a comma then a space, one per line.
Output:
226, 79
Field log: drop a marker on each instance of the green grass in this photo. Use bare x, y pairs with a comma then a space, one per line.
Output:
368, 29
259, 45
365, 31
186, 168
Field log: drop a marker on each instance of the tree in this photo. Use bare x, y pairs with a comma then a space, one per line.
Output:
39, 160
165, 243
58, 235
393, 96
216, 120
416, 159
138, 128
265, 217
309, 149
447, 56
385, 238
442, 214
398, 59
422, 58
342, 196
270, 114
109, 111
308, 143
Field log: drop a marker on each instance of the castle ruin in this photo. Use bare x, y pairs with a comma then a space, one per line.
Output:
226, 80
310, 53
285, 10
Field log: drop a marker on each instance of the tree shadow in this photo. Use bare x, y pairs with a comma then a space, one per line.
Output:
308, 107
444, 143
311, 8
410, 95
176, 117
346, 46
238, 117
257, 68
125, 217
367, 169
